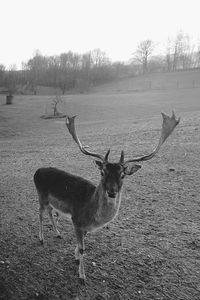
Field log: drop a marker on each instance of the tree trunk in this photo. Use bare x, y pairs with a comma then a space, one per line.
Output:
9, 99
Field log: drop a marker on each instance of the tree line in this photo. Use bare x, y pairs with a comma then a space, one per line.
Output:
65, 71
71, 70
180, 54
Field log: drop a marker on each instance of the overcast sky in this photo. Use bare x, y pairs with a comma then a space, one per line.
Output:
114, 26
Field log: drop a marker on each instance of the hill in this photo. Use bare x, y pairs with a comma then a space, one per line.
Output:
169, 80
152, 81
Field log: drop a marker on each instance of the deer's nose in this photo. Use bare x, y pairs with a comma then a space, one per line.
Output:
112, 193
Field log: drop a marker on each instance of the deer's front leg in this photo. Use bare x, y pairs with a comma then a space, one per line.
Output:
41, 236
54, 224
79, 252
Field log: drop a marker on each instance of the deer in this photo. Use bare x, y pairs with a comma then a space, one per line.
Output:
89, 206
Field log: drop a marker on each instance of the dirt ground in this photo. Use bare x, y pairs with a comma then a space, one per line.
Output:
151, 250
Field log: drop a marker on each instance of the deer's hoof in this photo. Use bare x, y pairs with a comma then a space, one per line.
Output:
82, 281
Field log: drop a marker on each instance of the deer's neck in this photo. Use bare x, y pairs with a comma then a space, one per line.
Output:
106, 208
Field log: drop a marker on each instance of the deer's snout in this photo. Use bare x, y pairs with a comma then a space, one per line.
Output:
111, 195
112, 191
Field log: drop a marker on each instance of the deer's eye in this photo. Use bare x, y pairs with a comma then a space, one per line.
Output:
102, 173
122, 175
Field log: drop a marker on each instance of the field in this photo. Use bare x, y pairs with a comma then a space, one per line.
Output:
152, 249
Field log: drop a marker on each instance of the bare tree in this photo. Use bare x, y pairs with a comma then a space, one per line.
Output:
99, 58
100, 62
143, 52
52, 71
69, 65
168, 56
48, 114
186, 55
197, 57
179, 52
55, 103
37, 67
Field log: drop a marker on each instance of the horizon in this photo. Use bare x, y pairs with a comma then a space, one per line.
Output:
55, 27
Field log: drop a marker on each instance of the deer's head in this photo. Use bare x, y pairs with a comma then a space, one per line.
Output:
113, 174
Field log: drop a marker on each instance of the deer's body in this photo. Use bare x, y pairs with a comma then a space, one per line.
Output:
86, 204
90, 207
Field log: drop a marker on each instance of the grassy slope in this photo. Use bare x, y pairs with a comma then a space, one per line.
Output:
154, 81
174, 80
151, 251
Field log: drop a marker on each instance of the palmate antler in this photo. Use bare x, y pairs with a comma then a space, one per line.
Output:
169, 124
70, 123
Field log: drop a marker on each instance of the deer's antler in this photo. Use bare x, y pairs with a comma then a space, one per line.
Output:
169, 123
70, 123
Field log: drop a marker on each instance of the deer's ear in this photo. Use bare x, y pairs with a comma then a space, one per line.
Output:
99, 164
132, 169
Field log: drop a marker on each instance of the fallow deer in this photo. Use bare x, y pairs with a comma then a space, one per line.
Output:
90, 207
